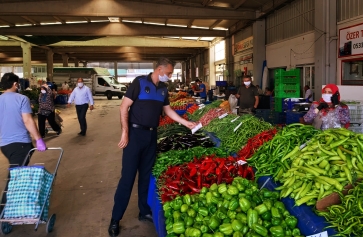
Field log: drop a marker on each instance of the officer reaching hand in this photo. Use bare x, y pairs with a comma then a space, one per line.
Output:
140, 110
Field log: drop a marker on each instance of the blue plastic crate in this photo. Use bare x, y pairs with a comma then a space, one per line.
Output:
180, 112
61, 99
293, 117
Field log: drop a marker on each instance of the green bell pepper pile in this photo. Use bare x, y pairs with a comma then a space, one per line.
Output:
235, 210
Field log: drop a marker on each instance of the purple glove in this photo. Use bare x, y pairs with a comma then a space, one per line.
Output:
41, 145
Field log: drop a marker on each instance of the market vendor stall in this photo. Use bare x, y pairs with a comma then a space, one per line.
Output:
256, 179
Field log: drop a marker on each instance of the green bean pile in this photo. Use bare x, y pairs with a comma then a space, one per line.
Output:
246, 126
200, 112
267, 160
347, 217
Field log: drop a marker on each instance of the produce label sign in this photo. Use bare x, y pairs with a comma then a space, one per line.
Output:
322, 234
351, 41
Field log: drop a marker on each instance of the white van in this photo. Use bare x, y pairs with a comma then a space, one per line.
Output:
99, 80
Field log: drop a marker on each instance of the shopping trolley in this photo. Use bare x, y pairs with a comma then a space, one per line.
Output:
45, 187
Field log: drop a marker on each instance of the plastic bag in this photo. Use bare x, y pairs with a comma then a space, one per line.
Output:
232, 102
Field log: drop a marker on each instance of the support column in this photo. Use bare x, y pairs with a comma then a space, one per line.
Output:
212, 67
229, 60
192, 68
65, 58
325, 46
184, 72
115, 68
50, 64
259, 51
27, 60
76, 62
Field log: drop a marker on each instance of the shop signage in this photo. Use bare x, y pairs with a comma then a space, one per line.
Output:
351, 41
243, 45
246, 59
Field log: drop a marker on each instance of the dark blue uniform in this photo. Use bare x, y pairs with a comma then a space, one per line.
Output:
140, 153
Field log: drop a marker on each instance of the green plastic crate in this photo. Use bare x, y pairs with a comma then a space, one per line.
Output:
287, 80
283, 86
279, 72
287, 93
293, 73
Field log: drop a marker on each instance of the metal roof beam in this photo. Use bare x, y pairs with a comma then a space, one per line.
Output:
112, 49
30, 20
110, 29
215, 24
125, 9
60, 20
6, 22
240, 3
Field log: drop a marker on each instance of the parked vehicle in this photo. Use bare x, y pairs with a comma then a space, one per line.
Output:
99, 80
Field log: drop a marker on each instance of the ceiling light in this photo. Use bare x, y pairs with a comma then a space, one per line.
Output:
131, 21
28, 35
176, 25
3, 37
154, 23
114, 19
23, 25
75, 22
200, 27
219, 28
4, 26
94, 21
51, 23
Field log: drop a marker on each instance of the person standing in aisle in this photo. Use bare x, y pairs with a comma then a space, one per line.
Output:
248, 96
16, 125
65, 86
308, 94
46, 111
202, 89
140, 110
82, 97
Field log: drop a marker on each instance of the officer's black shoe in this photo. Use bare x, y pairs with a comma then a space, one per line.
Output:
147, 217
114, 228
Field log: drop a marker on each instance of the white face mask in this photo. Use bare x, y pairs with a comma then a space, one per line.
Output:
80, 84
43, 91
164, 78
247, 83
326, 97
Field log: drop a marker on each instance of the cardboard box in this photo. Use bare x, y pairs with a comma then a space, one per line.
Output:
332, 199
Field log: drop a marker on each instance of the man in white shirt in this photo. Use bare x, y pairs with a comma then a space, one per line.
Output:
308, 94
82, 96
65, 86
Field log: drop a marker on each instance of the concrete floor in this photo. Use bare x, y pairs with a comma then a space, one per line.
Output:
89, 172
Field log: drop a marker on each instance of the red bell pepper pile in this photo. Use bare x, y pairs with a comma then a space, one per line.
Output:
165, 120
192, 109
191, 177
210, 115
255, 142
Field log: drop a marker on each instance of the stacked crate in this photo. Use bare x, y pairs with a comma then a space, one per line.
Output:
287, 85
356, 117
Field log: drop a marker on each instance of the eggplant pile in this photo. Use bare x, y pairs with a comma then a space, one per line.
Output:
183, 141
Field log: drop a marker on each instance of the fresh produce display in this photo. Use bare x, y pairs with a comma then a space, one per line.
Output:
180, 104
200, 112
254, 143
325, 165
234, 131
165, 120
239, 209
64, 92
211, 114
347, 217
268, 159
178, 157
192, 109
177, 96
183, 141
191, 177
172, 129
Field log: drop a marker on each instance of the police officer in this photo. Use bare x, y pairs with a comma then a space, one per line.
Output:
140, 110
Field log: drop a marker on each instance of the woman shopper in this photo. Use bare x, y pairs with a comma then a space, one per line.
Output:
46, 111
328, 112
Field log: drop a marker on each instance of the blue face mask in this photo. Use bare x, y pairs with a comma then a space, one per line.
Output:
163, 78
